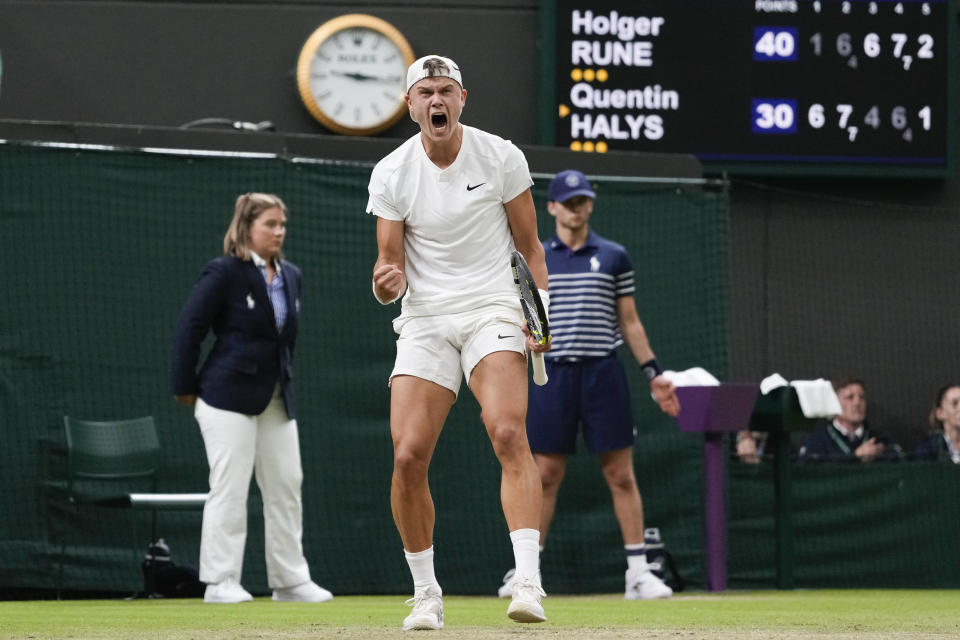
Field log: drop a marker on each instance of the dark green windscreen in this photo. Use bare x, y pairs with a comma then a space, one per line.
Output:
102, 248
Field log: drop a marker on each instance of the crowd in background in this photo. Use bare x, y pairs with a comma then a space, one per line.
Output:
850, 437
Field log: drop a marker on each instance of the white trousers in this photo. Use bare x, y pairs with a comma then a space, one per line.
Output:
237, 445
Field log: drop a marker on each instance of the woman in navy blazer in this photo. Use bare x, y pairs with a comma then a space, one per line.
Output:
244, 402
943, 443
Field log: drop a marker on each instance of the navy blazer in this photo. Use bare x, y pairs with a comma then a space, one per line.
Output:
824, 444
933, 447
250, 356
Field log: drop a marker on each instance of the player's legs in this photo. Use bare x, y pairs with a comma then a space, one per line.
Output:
552, 467
552, 422
424, 384
418, 409
499, 382
423, 387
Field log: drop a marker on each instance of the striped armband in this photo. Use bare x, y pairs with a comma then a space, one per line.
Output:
651, 368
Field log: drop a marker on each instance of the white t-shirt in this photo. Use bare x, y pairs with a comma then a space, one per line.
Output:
457, 240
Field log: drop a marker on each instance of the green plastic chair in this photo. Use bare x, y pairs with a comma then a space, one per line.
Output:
114, 464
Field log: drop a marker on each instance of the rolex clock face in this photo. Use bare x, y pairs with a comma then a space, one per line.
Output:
351, 74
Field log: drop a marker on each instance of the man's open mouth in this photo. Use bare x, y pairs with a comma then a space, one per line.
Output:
439, 120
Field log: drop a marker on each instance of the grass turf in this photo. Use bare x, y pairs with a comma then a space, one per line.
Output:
907, 614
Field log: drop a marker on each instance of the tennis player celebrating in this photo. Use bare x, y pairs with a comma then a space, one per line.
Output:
452, 202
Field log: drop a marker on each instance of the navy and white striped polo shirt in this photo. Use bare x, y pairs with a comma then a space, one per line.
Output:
584, 287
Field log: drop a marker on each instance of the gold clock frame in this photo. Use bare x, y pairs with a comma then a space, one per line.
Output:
323, 33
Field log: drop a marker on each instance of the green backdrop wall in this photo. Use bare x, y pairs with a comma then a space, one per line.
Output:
102, 247
890, 525
105, 245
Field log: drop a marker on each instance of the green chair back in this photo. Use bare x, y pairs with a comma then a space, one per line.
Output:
111, 450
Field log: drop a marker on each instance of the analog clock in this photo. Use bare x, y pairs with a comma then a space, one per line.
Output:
351, 74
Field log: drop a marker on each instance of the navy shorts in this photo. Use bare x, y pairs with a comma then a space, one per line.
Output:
592, 392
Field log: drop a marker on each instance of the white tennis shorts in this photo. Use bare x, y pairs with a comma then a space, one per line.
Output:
445, 348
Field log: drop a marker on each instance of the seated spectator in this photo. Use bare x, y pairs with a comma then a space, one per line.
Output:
751, 446
848, 438
944, 442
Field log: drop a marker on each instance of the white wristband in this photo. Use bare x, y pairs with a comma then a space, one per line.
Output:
374, 286
545, 298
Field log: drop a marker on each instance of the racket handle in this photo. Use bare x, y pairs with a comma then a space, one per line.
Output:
539, 370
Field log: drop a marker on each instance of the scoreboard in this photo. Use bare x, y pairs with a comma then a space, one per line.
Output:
765, 85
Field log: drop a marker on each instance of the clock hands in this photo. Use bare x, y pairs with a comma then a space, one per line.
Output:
362, 77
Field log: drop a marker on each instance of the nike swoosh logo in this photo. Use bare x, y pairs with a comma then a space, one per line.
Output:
469, 188
506, 336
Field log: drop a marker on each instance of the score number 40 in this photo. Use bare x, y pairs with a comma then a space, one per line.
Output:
779, 116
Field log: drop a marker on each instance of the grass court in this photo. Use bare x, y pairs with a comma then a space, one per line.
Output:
750, 615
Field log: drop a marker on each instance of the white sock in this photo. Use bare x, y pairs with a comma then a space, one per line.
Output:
421, 568
526, 551
636, 557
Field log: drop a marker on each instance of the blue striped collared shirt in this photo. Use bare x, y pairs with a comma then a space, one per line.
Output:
584, 287
275, 292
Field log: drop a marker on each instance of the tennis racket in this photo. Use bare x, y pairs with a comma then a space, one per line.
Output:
533, 311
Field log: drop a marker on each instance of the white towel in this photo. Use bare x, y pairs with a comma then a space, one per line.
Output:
817, 398
695, 377
771, 382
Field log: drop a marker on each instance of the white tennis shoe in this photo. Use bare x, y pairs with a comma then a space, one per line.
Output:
526, 603
427, 611
644, 585
227, 592
506, 589
307, 592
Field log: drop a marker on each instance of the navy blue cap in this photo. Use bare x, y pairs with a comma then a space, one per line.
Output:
568, 184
